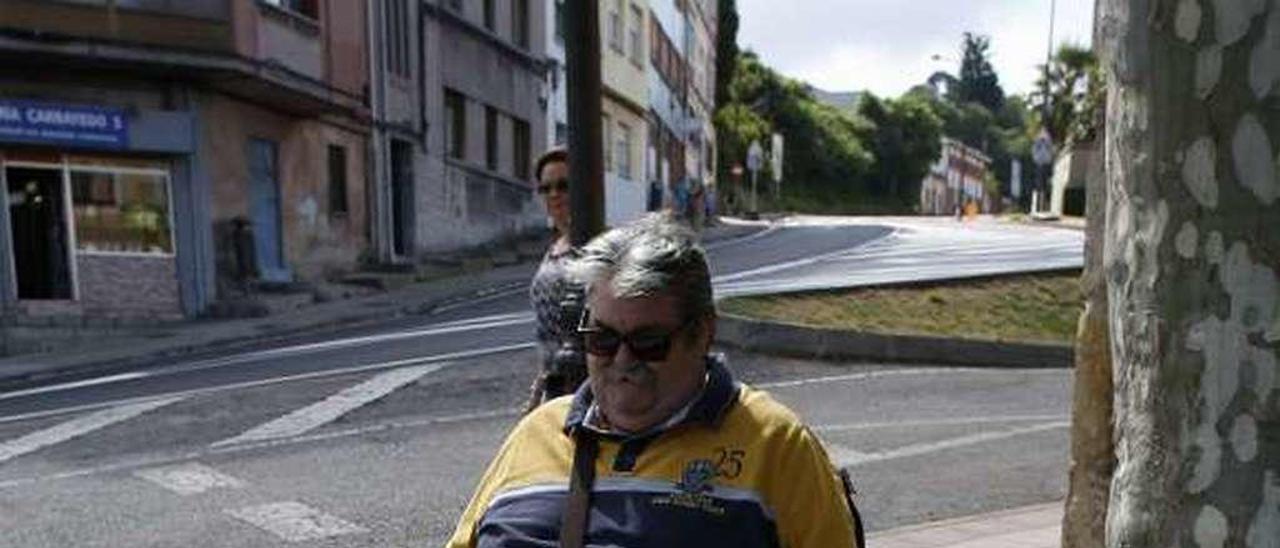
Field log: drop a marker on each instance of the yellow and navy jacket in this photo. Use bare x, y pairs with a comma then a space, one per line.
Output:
738, 470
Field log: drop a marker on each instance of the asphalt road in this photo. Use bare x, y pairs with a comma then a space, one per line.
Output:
375, 437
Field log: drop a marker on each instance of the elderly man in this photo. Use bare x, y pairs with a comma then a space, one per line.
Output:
661, 447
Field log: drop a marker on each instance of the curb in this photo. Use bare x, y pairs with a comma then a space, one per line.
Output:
836, 344
358, 318
97, 367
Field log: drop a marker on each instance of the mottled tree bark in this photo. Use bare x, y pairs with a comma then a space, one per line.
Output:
1092, 452
1193, 240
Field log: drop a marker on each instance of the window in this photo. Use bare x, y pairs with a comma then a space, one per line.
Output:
397, 41
308, 8
624, 150
337, 181
491, 138
455, 127
559, 22
606, 128
121, 211
489, 22
635, 34
562, 133
615, 26
520, 149
520, 22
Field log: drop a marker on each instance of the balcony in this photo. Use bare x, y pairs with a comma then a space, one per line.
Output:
259, 49
203, 25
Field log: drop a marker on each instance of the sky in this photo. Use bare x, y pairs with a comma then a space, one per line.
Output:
887, 46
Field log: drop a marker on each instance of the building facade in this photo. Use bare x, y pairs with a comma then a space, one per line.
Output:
957, 180
658, 74
157, 156
459, 102
624, 100
681, 101
623, 58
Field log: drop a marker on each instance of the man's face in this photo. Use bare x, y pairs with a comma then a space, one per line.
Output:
633, 393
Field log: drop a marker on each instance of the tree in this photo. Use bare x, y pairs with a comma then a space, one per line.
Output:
906, 141
826, 153
726, 48
978, 80
1069, 99
1190, 257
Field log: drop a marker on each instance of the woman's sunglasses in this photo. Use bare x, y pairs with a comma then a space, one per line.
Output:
560, 186
605, 342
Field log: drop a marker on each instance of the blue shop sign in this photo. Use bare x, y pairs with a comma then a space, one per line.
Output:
63, 125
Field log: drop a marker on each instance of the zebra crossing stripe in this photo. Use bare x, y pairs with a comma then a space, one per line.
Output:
330, 409
189, 479
295, 522
78, 427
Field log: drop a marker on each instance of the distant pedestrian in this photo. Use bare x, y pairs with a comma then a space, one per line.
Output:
551, 284
655, 196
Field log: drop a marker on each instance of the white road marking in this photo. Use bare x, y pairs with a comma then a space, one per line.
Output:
249, 447
295, 522
426, 423
78, 427
796, 263
936, 422
189, 479
279, 380
462, 326
111, 379
527, 316
843, 456
330, 409
480, 299
904, 372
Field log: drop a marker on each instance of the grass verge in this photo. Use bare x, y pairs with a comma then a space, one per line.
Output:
1040, 308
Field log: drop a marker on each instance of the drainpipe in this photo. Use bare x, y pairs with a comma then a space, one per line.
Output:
422, 77
375, 202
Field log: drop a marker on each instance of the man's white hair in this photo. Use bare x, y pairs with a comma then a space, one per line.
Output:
652, 255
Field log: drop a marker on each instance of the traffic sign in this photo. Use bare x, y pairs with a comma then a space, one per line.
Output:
755, 156
1042, 149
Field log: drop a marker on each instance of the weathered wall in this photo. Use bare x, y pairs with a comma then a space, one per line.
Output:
1191, 252
128, 286
461, 204
316, 244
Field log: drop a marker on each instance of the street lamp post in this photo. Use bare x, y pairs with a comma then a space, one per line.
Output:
755, 161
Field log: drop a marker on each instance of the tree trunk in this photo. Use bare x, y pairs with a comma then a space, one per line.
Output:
1193, 240
1092, 452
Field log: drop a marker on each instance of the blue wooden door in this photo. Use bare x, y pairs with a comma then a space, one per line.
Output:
264, 207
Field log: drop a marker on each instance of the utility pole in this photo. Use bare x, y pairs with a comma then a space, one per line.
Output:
586, 152
1044, 168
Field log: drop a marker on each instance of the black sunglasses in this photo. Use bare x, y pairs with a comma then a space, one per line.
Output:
605, 342
561, 185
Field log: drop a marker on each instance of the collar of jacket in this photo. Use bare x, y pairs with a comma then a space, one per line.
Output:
716, 399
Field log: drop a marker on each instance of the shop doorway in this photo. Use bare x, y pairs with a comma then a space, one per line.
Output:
38, 224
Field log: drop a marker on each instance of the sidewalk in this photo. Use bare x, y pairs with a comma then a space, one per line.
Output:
127, 351
1038, 526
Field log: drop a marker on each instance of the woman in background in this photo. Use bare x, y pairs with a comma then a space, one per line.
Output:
551, 283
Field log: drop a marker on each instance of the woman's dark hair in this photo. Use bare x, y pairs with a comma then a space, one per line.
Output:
557, 154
